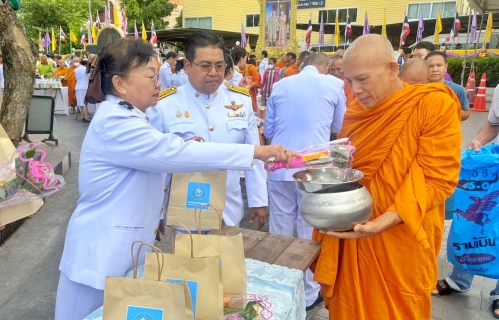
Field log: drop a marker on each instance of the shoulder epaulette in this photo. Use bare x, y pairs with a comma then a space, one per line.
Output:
237, 89
167, 92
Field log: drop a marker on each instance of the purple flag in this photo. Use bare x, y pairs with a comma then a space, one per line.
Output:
419, 36
47, 40
321, 32
473, 29
243, 36
89, 34
367, 29
44, 42
107, 17
136, 31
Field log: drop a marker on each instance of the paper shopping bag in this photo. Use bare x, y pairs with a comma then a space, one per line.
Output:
230, 249
203, 276
189, 191
22, 210
132, 298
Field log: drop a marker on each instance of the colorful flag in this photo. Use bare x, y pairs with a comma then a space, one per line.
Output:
47, 40
154, 38
367, 29
321, 32
62, 35
419, 36
243, 36
116, 17
248, 47
83, 40
336, 32
136, 31
488, 30
454, 32
125, 22
348, 31
309, 32
144, 32
89, 39
94, 33
97, 21
107, 17
54, 42
406, 30
473, 28
438, 28
72, 36
383, 26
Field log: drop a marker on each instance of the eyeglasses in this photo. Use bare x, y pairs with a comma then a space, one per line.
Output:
219, 67
154, 79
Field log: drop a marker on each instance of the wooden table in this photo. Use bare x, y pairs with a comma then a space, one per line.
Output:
272, 248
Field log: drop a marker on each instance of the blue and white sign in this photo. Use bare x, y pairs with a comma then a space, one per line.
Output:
193, 288
143, 313
198, 193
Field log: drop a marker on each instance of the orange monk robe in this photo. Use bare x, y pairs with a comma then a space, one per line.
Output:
292, 70
251, 71
71, 85
348, 93
281, 64
409, 152
62, 72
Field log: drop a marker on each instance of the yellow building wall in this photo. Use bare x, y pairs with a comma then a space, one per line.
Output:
228, 14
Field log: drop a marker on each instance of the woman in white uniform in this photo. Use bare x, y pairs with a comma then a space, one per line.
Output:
82, 76
120, 179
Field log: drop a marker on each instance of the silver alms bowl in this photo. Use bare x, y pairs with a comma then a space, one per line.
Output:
327, 179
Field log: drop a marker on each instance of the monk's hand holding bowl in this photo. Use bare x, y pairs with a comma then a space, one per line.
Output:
369, 228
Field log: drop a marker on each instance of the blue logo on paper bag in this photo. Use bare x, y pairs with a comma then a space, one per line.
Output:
198, 193
142, 313
193, 288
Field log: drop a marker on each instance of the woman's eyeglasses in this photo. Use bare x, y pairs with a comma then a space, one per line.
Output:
154, 79
219, 67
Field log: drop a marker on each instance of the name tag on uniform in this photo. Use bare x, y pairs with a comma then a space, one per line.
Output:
198, 193
241, 114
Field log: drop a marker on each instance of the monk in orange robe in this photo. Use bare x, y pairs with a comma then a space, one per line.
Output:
250, 72
62, 71
409, 152
336, 69
295, 68
72, 83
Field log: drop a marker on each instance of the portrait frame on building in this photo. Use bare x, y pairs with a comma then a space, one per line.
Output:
277, 27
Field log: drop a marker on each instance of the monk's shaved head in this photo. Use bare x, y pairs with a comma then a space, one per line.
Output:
372, 77
414, 71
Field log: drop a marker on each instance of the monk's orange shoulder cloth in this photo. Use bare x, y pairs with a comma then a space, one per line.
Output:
409, 151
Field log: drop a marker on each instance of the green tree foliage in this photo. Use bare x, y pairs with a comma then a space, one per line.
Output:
488, 65
147, 11
179, 21
40, 15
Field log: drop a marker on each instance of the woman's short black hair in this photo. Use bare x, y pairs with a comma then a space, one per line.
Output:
238, 53
180, 65
202, 39
265, 54
273, 60
229, 63
121, 57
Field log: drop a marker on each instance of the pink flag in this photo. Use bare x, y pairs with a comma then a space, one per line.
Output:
107, 17
136, 31
243, 36
321, 32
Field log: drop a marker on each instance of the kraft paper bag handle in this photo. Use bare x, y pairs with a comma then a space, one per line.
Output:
172, 249
214, 207
135, 261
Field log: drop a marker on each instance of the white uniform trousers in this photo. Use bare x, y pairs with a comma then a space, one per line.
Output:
75, 301
285, 199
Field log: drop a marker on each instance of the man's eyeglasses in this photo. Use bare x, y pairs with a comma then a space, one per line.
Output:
154, 79
219, 67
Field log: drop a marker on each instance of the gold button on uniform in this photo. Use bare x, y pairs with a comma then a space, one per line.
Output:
197, 94
166, 188
207, 106
211, 128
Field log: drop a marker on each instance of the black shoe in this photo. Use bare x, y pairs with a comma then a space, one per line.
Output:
320, 299
85, 120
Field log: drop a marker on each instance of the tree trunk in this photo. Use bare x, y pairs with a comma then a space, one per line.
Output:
19, 61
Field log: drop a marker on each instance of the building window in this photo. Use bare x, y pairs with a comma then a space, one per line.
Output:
430, 10
202, 23
330, 15
252, 20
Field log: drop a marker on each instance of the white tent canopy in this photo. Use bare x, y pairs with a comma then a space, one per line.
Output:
485, 5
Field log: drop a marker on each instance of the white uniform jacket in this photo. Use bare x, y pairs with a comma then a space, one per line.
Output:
82, 77
188, 113
121, 184
301, 111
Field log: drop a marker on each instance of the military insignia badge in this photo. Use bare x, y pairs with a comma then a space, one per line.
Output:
178, 114
234, 106
187, 114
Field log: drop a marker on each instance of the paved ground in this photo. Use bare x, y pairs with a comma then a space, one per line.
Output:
29, 260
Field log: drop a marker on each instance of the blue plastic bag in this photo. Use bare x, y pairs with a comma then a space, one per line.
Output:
473, 242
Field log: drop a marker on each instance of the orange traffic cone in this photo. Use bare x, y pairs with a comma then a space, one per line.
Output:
480, 97
471, 89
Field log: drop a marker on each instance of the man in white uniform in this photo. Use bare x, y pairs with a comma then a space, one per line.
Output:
300, 113
82, 77
264, 64
210, 108
165, 72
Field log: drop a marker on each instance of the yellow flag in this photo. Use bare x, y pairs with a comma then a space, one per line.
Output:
383, 27
438, 28
54, 41
488, 31
72, 37
248, 47
116, 17
94, 33
144, 32
336, 32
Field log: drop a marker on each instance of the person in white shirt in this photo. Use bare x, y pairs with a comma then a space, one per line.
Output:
82, 77
165, 72
264, 64
179, 78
